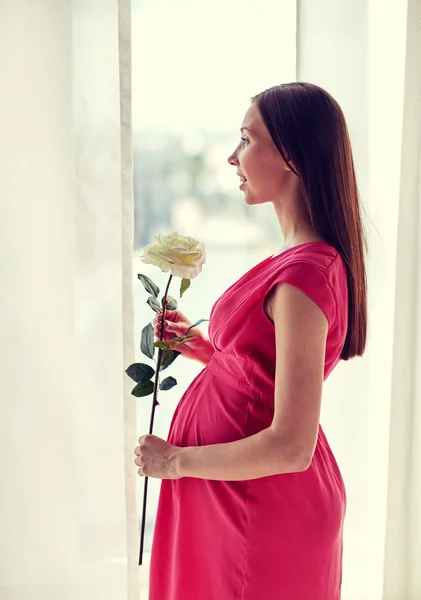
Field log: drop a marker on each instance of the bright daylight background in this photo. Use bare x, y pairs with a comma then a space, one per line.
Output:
116, 122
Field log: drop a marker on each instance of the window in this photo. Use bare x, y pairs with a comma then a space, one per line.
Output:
195, 67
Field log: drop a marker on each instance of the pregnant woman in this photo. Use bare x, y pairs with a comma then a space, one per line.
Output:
252, 501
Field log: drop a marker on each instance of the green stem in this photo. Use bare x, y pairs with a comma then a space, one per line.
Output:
158, 365
154, 403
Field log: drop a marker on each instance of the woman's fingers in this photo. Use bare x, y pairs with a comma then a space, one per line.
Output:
170, 330
175, 325
173, 317
174, 328
168, 326
170, 315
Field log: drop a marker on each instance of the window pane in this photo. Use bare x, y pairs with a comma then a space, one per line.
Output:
195, 67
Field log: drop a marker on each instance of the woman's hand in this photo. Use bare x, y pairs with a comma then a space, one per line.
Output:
197, 347
157, 458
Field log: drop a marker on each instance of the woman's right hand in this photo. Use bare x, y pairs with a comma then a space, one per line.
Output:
197, 347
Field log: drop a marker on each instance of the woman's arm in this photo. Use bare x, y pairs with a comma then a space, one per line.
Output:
206, 351
258, 455
288, 444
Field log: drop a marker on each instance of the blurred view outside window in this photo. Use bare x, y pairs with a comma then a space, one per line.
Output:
195, 67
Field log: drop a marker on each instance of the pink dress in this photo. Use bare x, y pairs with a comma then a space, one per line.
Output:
272, 538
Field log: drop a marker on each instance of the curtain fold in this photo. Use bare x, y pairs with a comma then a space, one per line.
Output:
104, 313
128, 322
402, 576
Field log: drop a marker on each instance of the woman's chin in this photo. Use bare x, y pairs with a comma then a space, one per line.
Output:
252, 200
249, 197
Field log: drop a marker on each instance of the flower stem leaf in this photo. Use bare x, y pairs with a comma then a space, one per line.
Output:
144, 388
146, 343
140, 372
171, 303
168, 383
162, 345
180, 339
154, 304
195, 325
149, 285
168, 357
185, 284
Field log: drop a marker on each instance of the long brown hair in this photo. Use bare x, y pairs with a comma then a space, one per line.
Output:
308, 128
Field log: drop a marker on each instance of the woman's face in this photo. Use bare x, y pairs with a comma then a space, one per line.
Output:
257, 159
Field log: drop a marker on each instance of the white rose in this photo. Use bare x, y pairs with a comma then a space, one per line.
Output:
183, 256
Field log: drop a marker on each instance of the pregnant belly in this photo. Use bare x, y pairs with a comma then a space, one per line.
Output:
209, 412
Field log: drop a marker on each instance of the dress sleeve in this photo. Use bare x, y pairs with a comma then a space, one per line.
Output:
311, 280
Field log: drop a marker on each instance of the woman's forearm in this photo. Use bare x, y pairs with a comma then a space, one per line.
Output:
259, 455
206, 352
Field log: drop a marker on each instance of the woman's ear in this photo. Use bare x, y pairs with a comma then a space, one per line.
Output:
289, 165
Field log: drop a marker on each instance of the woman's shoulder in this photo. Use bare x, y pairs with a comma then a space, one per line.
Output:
318, 270
319, 254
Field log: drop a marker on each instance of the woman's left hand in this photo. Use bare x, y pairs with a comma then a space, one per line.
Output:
157, 458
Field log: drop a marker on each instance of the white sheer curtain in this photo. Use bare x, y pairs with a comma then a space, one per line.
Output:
403, 526
369, 59
67, 503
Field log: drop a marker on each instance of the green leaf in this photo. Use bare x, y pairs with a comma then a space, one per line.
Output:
144, 388
149, 285
168, 383
195, 324
185, 284
146, 344
168, 357
171, 303
163, 345
140, 372
154, 304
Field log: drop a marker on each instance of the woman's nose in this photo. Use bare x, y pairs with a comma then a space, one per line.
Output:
232, 159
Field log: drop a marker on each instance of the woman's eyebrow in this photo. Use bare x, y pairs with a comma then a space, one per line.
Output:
246, 128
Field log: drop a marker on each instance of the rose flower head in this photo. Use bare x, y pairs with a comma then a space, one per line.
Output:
183, 256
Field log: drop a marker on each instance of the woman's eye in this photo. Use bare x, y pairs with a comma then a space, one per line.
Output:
244, 140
